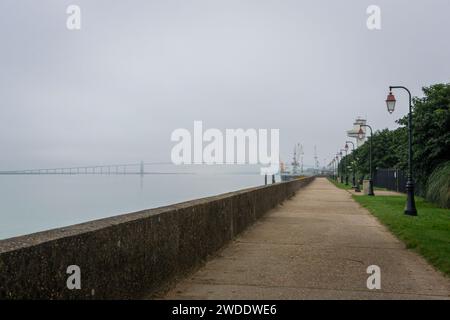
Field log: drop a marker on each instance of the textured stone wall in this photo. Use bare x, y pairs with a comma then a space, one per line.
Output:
132, 255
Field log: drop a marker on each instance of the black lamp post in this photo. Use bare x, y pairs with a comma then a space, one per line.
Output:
353, 163
357, 188
410, 208
333, 163
339, 167
332, 167
336, 167
344, 171
361, 136
346, 164
342, 165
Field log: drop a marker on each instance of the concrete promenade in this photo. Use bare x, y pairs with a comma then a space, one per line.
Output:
317, 245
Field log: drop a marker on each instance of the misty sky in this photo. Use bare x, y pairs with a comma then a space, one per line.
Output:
114, 91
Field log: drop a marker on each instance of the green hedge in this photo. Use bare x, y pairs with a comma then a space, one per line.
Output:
438, 186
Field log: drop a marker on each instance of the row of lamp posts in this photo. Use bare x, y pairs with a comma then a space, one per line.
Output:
340, 169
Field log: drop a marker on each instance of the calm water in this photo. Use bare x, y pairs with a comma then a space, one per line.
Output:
32, 203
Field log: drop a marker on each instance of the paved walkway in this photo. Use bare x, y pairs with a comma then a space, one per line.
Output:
317, 245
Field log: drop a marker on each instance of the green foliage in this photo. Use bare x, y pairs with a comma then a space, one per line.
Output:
428, 233
389, 151
431, 139
431, 130
438, 186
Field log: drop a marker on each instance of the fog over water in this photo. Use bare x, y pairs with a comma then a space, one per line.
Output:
114, 91
32, 203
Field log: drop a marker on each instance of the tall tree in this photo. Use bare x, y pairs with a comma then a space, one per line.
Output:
431, 130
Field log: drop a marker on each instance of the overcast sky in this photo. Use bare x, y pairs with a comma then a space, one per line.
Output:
114, 91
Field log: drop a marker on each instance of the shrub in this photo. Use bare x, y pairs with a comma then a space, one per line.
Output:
438, 186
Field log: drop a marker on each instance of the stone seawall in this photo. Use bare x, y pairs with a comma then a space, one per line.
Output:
132, 255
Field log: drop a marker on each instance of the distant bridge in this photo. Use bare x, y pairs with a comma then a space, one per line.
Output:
131, 168
118, 169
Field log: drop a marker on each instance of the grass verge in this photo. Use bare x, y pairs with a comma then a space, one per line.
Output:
340, 185
428, 233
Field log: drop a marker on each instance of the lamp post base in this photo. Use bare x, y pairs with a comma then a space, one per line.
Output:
410, 207
370, 188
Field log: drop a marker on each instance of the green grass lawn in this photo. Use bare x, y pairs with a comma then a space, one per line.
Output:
428, 233
343, 186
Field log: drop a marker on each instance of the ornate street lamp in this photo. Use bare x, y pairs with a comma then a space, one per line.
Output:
355, 186
390, 102
337, 167
344, 167
410, 207
333, 162
346, 164
334, 167
361, 135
